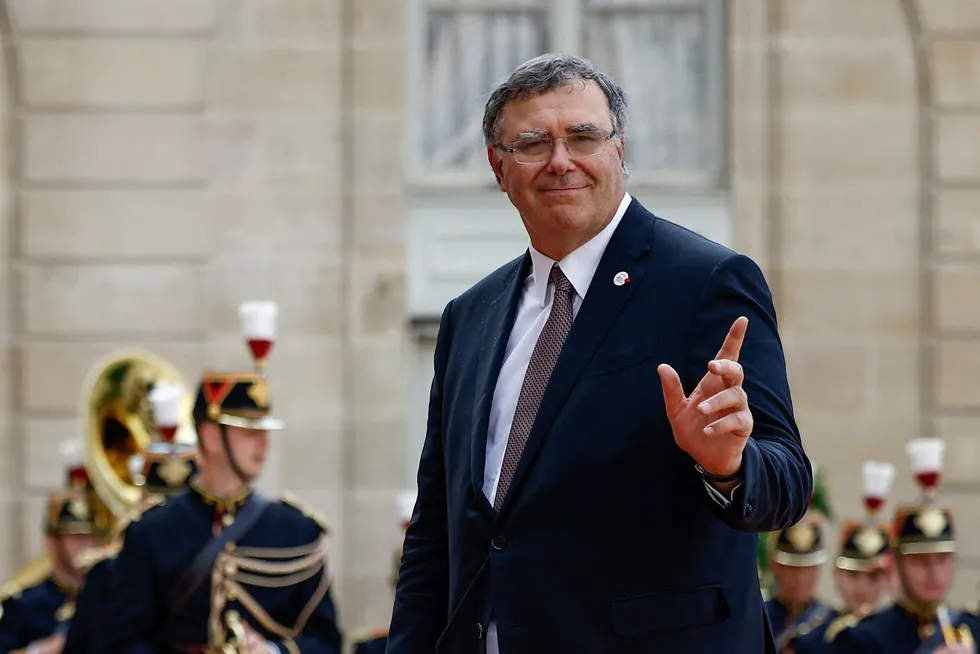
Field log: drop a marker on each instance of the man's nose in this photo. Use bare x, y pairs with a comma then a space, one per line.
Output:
561, 162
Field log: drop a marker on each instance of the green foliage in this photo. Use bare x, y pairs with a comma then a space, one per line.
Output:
820, 501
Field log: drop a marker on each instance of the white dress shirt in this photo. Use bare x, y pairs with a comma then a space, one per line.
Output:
533, 309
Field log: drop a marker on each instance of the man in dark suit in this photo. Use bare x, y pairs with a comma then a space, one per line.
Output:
597, 486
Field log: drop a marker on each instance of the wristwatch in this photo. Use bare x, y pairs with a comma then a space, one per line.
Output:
717, 479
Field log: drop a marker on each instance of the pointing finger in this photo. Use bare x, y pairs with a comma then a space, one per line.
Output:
732, 346
731, 371
672, 388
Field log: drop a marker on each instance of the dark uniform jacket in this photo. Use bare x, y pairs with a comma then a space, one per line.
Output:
90, 621
31, 615
162, 545
894, 630
788, 628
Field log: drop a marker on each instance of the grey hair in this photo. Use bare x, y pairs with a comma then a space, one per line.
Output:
543, 74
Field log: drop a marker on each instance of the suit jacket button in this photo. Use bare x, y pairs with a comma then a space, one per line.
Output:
479, 631
498, 543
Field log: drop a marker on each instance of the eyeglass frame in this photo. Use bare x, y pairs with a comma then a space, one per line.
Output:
613, 134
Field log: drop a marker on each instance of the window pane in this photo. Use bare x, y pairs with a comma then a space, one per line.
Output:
660, 60
467, 54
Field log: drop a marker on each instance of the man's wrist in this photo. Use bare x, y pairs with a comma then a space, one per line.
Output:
714, 478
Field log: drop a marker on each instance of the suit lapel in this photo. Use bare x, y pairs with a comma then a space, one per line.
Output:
494, 334
599, 311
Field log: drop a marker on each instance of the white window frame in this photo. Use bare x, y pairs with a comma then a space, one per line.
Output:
565, 35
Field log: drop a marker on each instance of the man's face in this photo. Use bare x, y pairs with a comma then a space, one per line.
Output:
65, 548
561, 200
927, 577
795, 585
250, 448
858, 588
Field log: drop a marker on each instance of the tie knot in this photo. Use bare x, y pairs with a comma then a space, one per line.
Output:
562, 285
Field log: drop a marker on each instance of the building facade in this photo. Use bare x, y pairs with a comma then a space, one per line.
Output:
165, 159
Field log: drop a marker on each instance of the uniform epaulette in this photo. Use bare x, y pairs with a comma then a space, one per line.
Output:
364, 635
845, 622
90, 557
293, 501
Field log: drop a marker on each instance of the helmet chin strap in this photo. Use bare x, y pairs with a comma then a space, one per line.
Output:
237, 469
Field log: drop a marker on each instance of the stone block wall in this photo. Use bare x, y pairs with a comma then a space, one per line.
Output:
165, 159
854, 174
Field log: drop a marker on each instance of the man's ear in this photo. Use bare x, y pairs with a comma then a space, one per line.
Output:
497, 164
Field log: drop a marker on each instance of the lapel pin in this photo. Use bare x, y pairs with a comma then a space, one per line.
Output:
621, 278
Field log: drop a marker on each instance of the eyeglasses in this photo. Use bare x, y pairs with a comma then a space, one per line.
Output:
578, 146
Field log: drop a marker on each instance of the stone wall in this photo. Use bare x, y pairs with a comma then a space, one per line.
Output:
854, 174
164, 159
170, 158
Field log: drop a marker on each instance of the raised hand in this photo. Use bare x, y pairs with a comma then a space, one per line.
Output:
714, 423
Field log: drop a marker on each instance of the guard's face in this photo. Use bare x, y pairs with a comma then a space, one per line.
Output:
65, 548
250, 448
858, 588
563, 199
927, 577
795, 585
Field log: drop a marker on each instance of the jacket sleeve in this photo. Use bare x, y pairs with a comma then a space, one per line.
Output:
778, 478
422, 593
135, 604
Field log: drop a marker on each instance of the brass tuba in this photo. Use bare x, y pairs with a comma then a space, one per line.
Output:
116, 422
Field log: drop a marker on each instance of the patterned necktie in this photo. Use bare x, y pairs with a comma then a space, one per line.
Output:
536, 378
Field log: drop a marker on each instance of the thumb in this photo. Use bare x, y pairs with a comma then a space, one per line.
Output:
673, 391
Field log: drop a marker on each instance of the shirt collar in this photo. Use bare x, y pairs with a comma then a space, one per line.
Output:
579, 265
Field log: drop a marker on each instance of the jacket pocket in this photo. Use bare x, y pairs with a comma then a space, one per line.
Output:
618, 362
680, 609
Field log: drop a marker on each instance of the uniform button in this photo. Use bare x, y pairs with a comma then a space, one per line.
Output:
479, 631
498, 543
748, 508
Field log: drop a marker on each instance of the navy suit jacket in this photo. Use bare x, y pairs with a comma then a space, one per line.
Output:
607, 540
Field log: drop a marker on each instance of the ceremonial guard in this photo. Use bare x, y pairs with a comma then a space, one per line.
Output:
42, 596
375, 640
220, 568
795, 557
863, 568
162, 471
924, 545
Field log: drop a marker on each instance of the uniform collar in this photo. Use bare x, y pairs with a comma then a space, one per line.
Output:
67, 589
926, 613
795, 608
222, 504
579, 265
